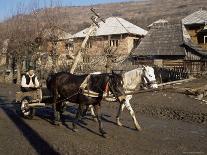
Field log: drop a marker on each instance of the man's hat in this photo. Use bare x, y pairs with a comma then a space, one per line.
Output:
31, 68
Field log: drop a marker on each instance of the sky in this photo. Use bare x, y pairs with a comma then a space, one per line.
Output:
11, 7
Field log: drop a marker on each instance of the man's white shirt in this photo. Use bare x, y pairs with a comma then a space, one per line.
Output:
31, 84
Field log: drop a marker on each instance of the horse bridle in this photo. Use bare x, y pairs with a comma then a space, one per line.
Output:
148, 82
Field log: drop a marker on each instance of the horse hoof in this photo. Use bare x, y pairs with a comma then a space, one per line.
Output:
56, 123
75, 130
102, 132
119, 124
105, 136
138, 128
95, 119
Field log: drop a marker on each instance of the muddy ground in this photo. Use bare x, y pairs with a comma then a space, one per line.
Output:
172, 124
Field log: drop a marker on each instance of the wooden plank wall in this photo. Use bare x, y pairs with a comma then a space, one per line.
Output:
193, 67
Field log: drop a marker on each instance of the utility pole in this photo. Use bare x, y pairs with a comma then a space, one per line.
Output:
92, 28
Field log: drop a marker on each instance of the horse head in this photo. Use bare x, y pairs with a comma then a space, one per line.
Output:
149, 76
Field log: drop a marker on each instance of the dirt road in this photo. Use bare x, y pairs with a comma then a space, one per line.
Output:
160, 135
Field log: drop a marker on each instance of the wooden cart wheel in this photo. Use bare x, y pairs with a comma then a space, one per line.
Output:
26, 111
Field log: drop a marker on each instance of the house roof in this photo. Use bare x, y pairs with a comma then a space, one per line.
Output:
199, 50
158, 22
162, 39
113, 25
198, 17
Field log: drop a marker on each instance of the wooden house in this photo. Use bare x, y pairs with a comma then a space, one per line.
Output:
196, 26
55, 46
55, 37
116, 33
55, 50
166, 46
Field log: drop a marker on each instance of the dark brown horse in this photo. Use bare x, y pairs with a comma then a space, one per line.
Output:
66, 86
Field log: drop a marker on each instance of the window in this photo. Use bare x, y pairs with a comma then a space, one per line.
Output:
69, 46
205, 39
86, 59
114, 43
89, 44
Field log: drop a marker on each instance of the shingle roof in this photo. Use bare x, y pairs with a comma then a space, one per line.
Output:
113, 25
198, 17
162, 39
158, 22
198, 49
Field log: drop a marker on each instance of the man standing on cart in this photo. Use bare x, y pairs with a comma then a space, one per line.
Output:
29, 81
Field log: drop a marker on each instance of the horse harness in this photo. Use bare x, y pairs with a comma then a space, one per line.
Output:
146, 82
84, 90
87, 92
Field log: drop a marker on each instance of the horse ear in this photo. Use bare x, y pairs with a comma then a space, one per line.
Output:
144, 67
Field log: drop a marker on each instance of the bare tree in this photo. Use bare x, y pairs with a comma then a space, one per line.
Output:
22, 30
21, 35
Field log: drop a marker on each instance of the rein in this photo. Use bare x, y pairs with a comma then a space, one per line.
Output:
90, 93
146, 81
69, 97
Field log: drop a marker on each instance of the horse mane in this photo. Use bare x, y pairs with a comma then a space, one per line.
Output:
132, 78
98, 78
50, 77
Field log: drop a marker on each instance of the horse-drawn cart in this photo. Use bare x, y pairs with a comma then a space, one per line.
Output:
29, 101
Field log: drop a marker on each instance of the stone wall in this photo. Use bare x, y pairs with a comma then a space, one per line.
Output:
97, 45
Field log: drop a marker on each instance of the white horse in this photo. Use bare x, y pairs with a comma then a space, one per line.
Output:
144, 77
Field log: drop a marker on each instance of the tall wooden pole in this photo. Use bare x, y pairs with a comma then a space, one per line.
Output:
90, 31
78, 57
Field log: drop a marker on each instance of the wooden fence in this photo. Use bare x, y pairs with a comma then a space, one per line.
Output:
195, 67
170, 70
192, 67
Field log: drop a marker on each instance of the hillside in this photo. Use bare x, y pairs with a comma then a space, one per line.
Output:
139, 13
73, 19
